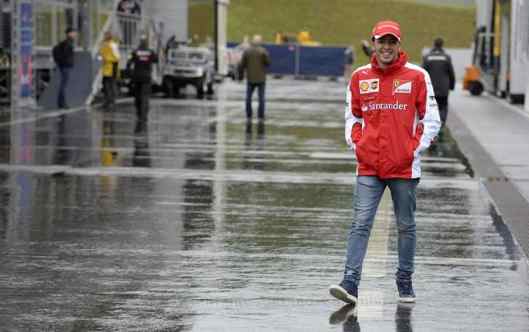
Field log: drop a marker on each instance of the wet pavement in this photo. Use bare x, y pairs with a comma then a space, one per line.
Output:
209, 224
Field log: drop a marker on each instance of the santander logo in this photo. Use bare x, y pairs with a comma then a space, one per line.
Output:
384, 107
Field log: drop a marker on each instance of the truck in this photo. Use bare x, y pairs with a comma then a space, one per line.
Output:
187, 65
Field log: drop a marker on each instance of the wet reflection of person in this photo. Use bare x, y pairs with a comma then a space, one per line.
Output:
62, 155
351, 324
261, 135
197, 221
348, 315
248, 132
260, 142
403, 317
109, 156
142, 155
248, 135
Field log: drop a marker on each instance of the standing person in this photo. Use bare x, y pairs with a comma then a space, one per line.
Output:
349, 59
254, 62
141, 60
366, 48
110, 55
391, 117
63, 55
129, 7
439, 65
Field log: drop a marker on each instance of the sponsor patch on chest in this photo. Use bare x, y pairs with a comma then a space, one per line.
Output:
369, 86
401, 86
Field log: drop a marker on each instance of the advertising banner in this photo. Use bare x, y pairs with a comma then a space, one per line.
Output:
25, 41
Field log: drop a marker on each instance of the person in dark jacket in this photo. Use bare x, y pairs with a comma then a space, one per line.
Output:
254, 62
439, 65
141, 61
63, 55
349, 59
366, 48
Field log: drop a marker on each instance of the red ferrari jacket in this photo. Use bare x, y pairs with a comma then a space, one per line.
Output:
390, 118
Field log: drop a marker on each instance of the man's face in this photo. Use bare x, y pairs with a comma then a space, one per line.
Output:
386, 49
72, 35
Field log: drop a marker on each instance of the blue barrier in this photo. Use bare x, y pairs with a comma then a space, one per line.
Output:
304, 60
321, 61
283, 58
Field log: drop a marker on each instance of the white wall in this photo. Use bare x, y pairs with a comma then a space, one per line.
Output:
519, 46
484, 13
461, 57
173, 14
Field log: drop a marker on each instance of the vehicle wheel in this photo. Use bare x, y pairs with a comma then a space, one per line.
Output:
201, 86
168, 88
476, 88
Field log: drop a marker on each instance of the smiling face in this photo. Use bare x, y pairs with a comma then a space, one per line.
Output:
387, 50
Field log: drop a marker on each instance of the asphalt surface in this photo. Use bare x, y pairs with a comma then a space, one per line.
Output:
206, 223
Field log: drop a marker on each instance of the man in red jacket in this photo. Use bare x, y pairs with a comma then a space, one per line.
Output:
391, 117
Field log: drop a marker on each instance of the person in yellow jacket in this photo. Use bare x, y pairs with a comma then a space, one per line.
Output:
110, 56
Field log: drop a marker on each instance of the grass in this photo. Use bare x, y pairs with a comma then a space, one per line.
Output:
345, 22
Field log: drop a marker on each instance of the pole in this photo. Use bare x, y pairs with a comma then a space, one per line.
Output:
216, 34
22, 69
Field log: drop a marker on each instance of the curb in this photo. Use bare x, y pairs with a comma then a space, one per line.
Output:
507, 203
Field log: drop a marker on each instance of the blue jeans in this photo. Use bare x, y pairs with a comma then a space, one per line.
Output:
65, 77
250, 87
369, 190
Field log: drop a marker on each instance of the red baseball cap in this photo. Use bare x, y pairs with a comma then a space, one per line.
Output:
383, 28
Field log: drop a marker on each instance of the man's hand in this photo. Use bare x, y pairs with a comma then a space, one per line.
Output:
348, 135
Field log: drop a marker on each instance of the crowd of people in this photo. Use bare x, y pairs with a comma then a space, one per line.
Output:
139, 65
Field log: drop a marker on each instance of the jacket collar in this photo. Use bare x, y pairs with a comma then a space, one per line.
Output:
393, 67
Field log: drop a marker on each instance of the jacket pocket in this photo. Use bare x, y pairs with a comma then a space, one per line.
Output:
413, 143
362, 154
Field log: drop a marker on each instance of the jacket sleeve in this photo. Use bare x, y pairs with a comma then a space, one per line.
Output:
115, 51
425, 62
451, 75
427, 112
353, 115
131, 60
242, 63
154, 56
266, 58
